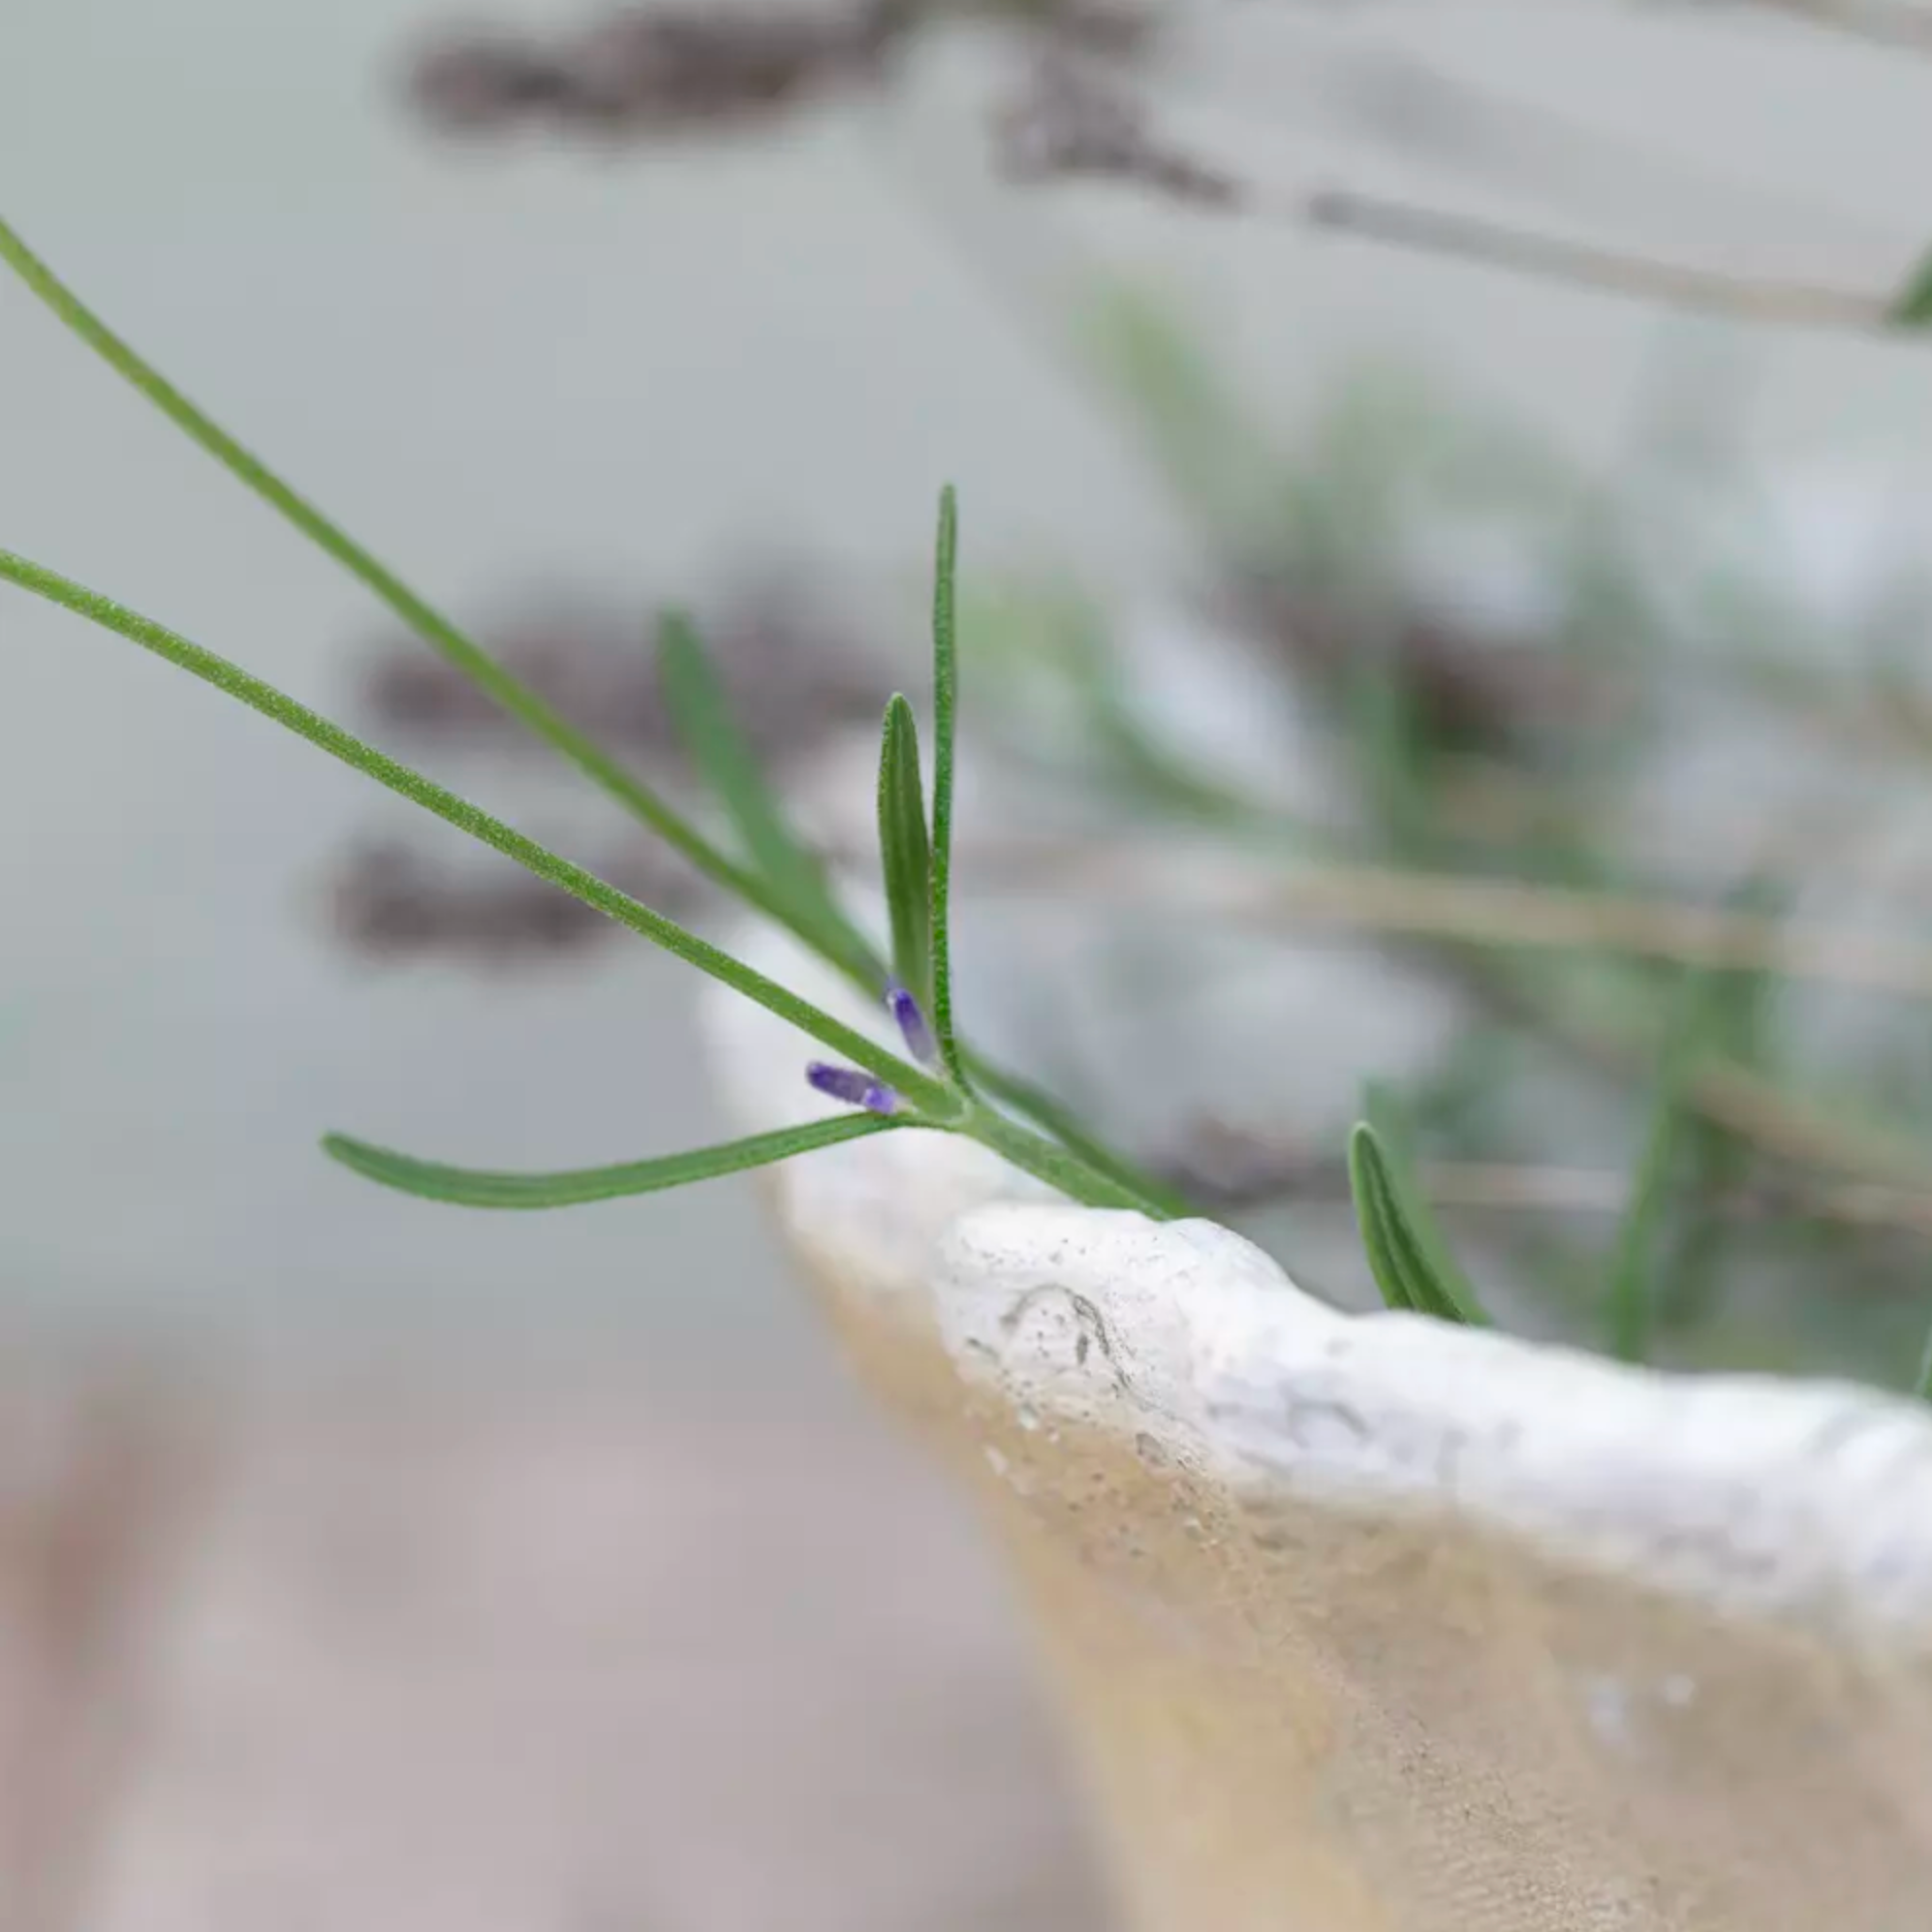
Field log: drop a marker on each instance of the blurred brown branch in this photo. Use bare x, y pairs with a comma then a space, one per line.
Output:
1073, 124
797, 674
1159, 876
1227, 1170
1893, 24
1472, 919
391, 901
1883, 26
645, 71
796, 670
665, 70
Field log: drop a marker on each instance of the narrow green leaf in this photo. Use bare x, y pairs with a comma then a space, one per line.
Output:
934, 1095
1368, 1184
702, 711
1922, 1388
484, 670
1412, 1264
1630, 1301
1912, 307
905, 851
945, 709
1390, 1124
476, 1187
1403, 1268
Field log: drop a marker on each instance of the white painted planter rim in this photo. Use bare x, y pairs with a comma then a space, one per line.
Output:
1808, 1503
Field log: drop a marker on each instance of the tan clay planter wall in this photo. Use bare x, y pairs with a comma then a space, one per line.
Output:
1367, 1624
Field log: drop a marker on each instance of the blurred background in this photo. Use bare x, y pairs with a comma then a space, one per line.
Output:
1428, 654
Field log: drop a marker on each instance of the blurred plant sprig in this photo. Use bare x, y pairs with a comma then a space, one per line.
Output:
1487, 837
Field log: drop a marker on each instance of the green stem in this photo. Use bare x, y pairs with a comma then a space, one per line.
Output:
1040, 1106
1055, 1165
945, 712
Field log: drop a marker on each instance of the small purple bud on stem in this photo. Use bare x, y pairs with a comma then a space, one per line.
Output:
919, 1039
854, 1087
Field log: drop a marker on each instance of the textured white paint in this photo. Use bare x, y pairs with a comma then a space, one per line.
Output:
1807, 1501
1811, 1501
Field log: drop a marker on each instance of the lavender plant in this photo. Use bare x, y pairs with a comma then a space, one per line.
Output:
940, 1090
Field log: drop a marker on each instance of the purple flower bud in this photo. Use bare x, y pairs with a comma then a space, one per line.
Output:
854, 1087
919, 1039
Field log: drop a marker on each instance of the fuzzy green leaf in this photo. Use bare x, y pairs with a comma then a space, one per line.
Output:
475, 1187
1411, 1263
945, 709
1368, 1185
905, 850
701, 710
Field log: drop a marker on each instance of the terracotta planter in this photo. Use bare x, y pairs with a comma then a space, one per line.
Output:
1363, 1622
